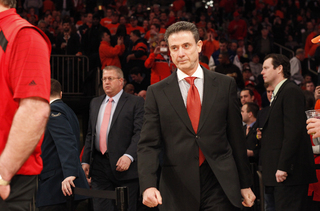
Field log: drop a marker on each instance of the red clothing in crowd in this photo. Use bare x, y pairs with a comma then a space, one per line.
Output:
147, 36
309, 44
209, 47
25, 72
178, 5
112, 27
160, 67
140, 28
105, 21
48, 5
237, 29
110, 55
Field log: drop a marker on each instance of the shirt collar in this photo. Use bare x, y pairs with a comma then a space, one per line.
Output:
276, 89
198, 73
115, 98
54, 100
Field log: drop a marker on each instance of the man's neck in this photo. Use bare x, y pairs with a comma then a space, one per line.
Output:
251, 121
3, 8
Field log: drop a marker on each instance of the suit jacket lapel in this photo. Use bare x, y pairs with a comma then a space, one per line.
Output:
122, 100
96, 111
274, 101
173, 93
210, 90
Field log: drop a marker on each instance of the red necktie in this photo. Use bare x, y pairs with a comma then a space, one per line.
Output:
194, 110
104, 127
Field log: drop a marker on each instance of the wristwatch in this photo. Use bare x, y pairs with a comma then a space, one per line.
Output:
3, 182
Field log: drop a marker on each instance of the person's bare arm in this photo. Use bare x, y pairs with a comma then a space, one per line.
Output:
26, 130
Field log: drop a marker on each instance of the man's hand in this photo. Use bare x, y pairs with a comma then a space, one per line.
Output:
156, 50
123, 163
313, 127
248, 197
120, 41
66, 185
4, 191
281, 176
151, 197
129, 57
317, 93
86, 168
250, 153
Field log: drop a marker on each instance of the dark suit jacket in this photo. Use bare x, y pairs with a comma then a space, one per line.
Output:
252, 142
285, 144
60, 155
220, 137
123, 135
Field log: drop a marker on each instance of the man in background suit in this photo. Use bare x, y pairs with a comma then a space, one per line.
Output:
286, 153
110, 152
60, 155
249, 112
205, 166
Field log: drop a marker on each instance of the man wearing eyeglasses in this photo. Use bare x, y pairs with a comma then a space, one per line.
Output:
110, 152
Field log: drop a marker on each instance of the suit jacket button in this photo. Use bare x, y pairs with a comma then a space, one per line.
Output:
197, 137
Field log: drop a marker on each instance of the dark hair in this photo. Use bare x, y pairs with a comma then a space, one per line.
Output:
309, 99
9, 3
252, 107
223, 40
121, 31
136, 32
104, 30
156, 25
182, 26
136, 71
55, 87
279, 59
250, 91
224, 54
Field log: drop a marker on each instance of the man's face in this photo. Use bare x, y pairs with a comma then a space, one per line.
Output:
268, 72
245, 114
66, 27
234, 46
310, 87
123, 20
89, 18
136, 78
184, 51
156, 21
42, 26
245, 97
239, 51
255, 59
114, 19
112, 84
223, 46
48, 19
270, 90
133, 22
109, 13
106, 37
133, 37
246, 75
163, 45
222, 59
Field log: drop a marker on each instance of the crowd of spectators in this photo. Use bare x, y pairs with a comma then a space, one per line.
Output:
236, 36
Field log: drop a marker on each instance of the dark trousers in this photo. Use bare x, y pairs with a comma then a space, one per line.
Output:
22, 189
289, 198
103, 179
70, 205
213, 197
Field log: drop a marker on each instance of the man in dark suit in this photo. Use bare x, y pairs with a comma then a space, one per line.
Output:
286, 153
205, 166
60, 155
249, 112
110, 151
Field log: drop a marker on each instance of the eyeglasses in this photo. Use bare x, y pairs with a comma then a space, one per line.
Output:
109, 79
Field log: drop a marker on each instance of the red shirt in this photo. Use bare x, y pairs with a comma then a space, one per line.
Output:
110, 55
24, 72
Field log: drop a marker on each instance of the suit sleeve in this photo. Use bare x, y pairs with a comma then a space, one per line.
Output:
137, 125
236, 137
149, 145
65, 142
294, 128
